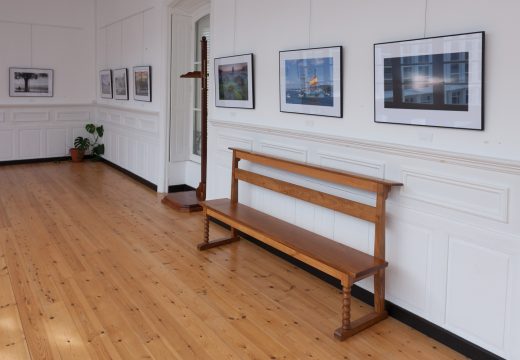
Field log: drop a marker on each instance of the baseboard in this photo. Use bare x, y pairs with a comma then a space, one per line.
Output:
35, 161
179, 188
130, 174
416, 322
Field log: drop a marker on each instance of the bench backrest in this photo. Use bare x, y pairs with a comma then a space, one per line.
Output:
374, 214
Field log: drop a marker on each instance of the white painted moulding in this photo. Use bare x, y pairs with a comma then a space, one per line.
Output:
466, 160
484, 200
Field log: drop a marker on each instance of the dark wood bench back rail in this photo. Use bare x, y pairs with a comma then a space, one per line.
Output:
338, 260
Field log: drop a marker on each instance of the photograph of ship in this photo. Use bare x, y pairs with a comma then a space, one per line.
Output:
232, 81
309, 81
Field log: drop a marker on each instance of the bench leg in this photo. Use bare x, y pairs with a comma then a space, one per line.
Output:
349, 328
345, 313
206, 244
379, 291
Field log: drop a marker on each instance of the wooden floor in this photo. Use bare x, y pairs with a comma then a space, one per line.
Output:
93, 266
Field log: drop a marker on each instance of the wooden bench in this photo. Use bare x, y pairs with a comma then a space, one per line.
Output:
340, 261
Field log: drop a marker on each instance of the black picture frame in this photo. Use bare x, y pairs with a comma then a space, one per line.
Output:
303, 90
435, 81
120, 84
31, 82
234, 81
106, 90
142, 83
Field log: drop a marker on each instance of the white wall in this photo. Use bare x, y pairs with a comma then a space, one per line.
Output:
131, 33
58, 35
453, 229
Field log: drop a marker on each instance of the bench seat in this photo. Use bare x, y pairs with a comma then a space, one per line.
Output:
332, 256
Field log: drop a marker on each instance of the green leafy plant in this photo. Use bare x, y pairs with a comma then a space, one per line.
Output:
91, 143
82, 143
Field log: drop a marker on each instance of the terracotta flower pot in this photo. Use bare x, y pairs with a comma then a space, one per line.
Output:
77, 155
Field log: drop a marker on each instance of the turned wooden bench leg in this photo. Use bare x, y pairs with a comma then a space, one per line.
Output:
345, 314
206, 244
348, 327
345, 311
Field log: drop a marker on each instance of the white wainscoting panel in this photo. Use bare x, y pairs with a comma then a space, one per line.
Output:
122, 151
408, 277
484, 200
30, 143
56, 142
477, 293
41, 131
353, 164
281, 150
6, 145
2, 116
353, 232
226, 142
131, 139
78, 116
31, 116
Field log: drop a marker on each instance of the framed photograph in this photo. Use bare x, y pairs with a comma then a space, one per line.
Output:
143, 83
28, 82
105, 82
121, 84
234, 86
436, 81
311, 81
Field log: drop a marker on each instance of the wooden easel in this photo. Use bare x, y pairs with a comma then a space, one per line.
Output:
188, 201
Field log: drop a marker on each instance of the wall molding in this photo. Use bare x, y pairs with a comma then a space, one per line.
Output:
464, 160
31, 116
498, 211
44, 105
120, 20
372, 168
41, 24
224, 142
291, 152
126, 109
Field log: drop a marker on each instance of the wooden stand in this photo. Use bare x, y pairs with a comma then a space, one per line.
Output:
188, 201
184, 201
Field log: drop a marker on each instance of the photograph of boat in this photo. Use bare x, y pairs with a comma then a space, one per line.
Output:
310, 81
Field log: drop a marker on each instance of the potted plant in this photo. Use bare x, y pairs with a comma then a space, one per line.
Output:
84, 144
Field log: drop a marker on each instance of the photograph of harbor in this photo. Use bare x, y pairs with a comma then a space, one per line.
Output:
437, 81
310, 81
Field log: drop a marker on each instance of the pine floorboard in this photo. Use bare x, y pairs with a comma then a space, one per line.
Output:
94, 266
